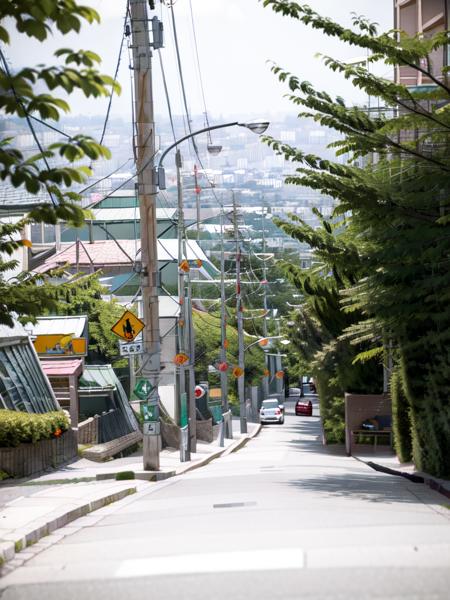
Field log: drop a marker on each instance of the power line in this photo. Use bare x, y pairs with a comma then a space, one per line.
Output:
166, 92
108, 110
180, 72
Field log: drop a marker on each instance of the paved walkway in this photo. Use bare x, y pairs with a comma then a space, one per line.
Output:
32, 509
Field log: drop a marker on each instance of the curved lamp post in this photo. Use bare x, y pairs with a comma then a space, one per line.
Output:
187, 345
257, 127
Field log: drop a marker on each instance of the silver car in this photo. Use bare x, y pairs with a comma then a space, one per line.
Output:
271, 412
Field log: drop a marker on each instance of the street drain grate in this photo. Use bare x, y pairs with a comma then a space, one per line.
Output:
234, 504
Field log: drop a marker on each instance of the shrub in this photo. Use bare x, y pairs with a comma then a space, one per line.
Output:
123, 475
401, 419
25, 428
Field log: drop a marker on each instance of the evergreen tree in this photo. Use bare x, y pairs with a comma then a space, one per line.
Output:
398, 202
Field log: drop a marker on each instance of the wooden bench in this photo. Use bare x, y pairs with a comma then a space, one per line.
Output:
358, 408
101, 452
355, 433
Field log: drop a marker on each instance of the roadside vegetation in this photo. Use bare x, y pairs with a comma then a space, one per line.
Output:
379, 292
38, 94
26, 428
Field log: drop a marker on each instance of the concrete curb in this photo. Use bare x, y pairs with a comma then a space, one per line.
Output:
234, 447
18, 540
416, 477
185, 468
243, 441
435, 484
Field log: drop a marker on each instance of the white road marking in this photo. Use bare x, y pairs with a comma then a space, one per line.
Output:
421, 556
218, 562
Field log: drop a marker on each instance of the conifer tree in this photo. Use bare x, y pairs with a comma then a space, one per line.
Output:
398, 202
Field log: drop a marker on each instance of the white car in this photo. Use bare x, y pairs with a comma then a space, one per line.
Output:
271, 412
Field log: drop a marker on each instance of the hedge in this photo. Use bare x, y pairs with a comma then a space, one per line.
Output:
24, 428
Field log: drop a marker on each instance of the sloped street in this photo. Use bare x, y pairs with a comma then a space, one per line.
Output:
284, 517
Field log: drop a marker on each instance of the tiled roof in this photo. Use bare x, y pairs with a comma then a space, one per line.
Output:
62, 368
111, 253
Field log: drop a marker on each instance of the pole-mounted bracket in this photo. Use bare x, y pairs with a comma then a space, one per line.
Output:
159, 177
158, 34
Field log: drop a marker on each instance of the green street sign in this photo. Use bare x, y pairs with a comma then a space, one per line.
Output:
184, 410
142, 389
150, 412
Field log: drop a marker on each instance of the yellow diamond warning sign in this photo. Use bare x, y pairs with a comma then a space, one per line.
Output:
128, 326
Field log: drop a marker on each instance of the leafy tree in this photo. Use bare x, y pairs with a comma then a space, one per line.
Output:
84, 296
319, 327
395, 185
207, 349
31, 94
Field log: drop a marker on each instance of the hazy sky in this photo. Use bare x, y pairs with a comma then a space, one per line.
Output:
235, 39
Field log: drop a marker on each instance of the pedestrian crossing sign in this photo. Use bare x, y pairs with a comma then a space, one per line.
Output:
143, 388
128, 326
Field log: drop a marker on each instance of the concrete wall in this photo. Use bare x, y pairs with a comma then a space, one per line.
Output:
29, 459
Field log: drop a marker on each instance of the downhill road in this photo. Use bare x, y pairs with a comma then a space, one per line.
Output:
282, 518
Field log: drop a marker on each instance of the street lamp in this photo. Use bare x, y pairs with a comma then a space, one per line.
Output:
263, 341
257, 127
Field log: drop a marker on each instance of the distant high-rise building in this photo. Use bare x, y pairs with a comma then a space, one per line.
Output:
426, 17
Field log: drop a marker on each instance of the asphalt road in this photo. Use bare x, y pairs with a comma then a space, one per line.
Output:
282, 518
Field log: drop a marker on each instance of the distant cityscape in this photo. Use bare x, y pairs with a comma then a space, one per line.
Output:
244, 164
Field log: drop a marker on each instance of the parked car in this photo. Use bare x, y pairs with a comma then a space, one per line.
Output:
277, 398
271, 412
303, 407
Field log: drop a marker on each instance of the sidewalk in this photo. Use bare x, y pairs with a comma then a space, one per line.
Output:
84, 486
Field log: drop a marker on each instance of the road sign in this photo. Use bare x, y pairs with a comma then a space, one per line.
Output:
152, 428
215, 397
128, 326
184, 419
142, 389
150, 412
130, 348
199, 391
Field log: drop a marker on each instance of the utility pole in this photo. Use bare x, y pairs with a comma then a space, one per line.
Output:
266, 377
182, 394
223, 325
145, 150
240, 324
197, 200
187, 329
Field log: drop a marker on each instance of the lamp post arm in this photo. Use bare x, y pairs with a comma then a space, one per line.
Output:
193, 134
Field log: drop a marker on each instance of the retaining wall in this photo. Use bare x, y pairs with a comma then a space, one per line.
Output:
28, 459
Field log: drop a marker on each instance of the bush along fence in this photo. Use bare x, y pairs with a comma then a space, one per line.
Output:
31, 443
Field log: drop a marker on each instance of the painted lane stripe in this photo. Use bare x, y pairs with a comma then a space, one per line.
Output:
220, 562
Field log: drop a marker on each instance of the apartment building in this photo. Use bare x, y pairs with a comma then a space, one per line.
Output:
426, 17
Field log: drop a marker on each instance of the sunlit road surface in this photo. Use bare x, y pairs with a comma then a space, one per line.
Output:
282, 518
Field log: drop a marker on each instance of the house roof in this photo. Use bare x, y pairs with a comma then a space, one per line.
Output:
112, 253
62, 368
60, 325
130, 214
